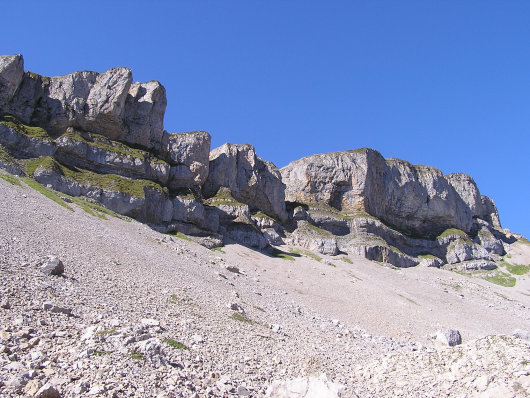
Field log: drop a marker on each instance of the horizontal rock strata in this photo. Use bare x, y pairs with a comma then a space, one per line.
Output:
100, 135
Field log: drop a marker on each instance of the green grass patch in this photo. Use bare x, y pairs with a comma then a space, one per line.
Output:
29, 131
306, 254
452, 232
95, 209
318, 230
137, 356
10, 179
101, 142
223, 197
180, 235
516, 269
44, 162
101, 353
260, 214
110, 182
218, 249
241, 318
524, 240
175, 344
502, 279
427, 257
50, 194
281, 254
6, 157
346, 260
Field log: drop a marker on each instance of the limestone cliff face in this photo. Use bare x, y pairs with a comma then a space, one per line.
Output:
100, 135
417, 200
250, 179
109, 103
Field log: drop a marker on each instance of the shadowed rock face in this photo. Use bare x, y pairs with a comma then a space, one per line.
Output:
109, 103
251, 180
417, 200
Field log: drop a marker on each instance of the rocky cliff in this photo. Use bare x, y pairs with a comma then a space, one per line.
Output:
101, 136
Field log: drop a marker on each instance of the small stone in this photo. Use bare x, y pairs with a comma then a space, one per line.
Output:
47, 391
5, 304
232, 268
448, 337
521, 334
18, 381
243, 391
51, 265
32, 387
236, 307
54, 308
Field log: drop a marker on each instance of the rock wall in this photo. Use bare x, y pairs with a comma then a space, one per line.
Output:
109, 103
251, 180
417, 200
100, 135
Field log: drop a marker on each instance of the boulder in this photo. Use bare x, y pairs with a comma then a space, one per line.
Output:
51, 265
305, 387
430, 261
489, 241
383, 254
250, 180
448, 337
463, 250
244, 232
188, 210
314, 238
474, 265
47, 391
188, 155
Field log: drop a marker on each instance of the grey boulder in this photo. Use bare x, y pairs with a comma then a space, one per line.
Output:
51, 265
448, 337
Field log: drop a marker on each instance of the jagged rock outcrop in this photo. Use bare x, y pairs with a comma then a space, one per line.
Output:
251, 180
489, 212
11, 72
100, 135
417, 200
188, 154
23, 141
109, 103
99, 154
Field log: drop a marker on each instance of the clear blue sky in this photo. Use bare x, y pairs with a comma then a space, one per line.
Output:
443, 83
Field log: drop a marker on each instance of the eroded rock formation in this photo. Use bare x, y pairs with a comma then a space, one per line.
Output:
100, 136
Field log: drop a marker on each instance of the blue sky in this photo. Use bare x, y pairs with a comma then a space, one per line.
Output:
443, 83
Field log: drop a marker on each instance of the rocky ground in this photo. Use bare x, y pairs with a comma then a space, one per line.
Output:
139, 313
